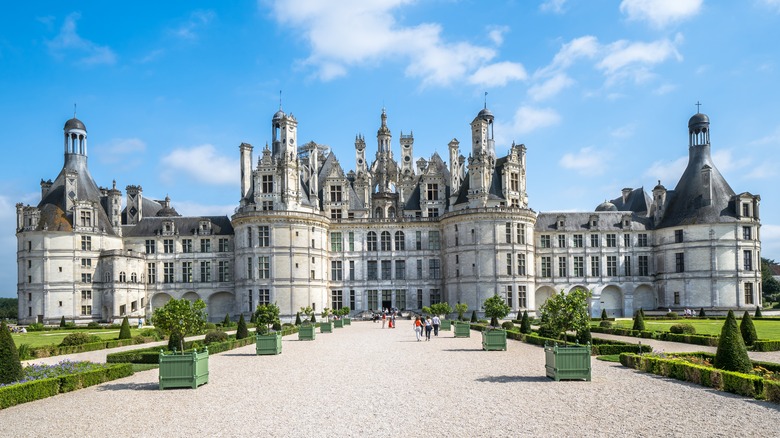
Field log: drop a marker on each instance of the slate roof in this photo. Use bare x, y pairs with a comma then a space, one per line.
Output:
638, 201
152, 226
579, 221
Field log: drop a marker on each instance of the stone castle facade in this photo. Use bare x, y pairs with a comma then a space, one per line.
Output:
391, 233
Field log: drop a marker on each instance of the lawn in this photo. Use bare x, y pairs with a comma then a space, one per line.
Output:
54, 337
764, 328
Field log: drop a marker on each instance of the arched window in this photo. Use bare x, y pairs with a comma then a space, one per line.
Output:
133, 278
378, 213
400, 241
122, 277
386, 241
371, 241
391, 212
107, 277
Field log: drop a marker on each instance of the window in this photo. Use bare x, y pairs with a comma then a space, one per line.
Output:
562, 266
745, 210
419, 269
546, 267
594, 240
611, 240
134, 306
747, 258
223, 245
267, 205
521, 264
335, 241
336, 299
509, 296
352, 303
263, 296
86, 310
86, 295
205, 272
85, 263
679, 262
747, 233
86, 278
418, 240
576, 240
249, 268
627, 240
579, 266
86, 243
186, 246
748, 293
336, 270
677, 298
312, 244
168, 272
385, 241
372, 297
205, 245
595, 266
371, 241
351, 240
514, 182
267, 184
522, 300
335, 193
433, 240
433, 212
168, 246
336, 214
435, 296
678, 236
151, 273
223, 270
419, 298
612, 266
264, 236
371, 270
561, 241
509, 264
133, 278
400, 299
626, 265
387, 270
643, 266
150, 247
400, 269
122, 277
520, 234
85, 219
641, 240
352, 270
249, 237
433, 192
400, 241
545, 240
508, 232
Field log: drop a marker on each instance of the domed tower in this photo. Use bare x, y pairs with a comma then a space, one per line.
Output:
698, 130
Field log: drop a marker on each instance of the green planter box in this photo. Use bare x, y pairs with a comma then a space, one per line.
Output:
188, 370
570, 362
494, 339
306, 332
339, 323
462, 330
347, 321
446, 324
270, 343
326, 327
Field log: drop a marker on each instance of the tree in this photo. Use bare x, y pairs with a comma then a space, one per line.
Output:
266, 315
604, 315
62, 321
441, 309
732, 353
124, 331
769, 285
496, 308
639, 322
525, 323
326, 314
241, 331
10, 366
473, 316
566, 312
461, 308
701, 313
9, 308
180, 318
747, 329
758, 312
297, 318
226, 321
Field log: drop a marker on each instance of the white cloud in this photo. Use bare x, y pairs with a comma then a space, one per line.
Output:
624, 132
665, 89
550, 87
771, 4
632, 60
582, 47
121, 151
349, 33
554, 6
69, 42
498, 74
527, 119
586, 161
668, 172
201, 163
195, 23
765, 170
726, 162
496, 34
660, 13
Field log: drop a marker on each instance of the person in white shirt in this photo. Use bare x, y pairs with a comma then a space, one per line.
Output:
436, 324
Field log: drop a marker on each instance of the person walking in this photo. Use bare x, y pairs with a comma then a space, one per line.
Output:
417, 326
392, 320
384, 319
428, 328
436, 324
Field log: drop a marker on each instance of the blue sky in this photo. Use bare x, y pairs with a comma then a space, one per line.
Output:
599, 92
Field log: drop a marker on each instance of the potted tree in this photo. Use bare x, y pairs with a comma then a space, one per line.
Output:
442, 310
306, 330
462, 328
494, 338
560, 314
338, 322
179, 318
267, 341
326, 326
345, 315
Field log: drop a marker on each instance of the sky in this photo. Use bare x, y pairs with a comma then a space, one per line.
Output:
600, 92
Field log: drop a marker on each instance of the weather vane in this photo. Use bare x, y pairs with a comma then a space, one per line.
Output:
485, 99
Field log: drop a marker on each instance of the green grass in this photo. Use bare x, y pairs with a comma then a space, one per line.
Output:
765, 329
609, 358
54, 337
144, 366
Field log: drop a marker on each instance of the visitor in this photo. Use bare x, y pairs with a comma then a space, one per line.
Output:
140, 323
392, 321
384, 319
417, 326
428, 328
436, 324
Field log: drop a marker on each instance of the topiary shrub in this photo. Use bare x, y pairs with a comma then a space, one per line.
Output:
758, 312
583, 336
62, 321
276, 326
747, 329
93, 325
672, 315
241, 332
215, 336
78, 339
124, 331
525, 323
10, 366
605, 324
732, 353
252, 319
604, 314
508, 325
209, 326
313, 319
639, 321
701, 313
473, 316
35, 327
226, 322
175, 341
682, 329
298, 318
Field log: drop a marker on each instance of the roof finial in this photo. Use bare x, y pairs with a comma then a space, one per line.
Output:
280, 100
485, 99
698, 106
74, 110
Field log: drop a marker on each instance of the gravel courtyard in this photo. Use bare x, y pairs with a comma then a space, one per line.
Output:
363, 380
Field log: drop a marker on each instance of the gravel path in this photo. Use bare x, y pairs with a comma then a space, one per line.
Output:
366, 381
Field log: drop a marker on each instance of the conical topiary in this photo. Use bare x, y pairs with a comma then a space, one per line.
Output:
62, 321
642, 311
747, 329
701, 313
10, 366
124, 331
298, 318
241, 331
519, 315
226, 321
525, 323
473, 316
253, 318
639, 321
732, 354
758, 312
604, 316
313, 319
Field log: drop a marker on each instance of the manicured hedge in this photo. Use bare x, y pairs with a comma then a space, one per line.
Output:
38, 389
54, 350
772, 390
766, 345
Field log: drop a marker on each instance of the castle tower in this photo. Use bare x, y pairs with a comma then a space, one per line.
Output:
246, 170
